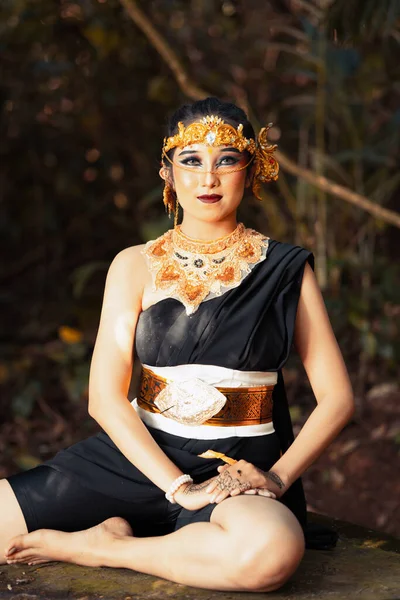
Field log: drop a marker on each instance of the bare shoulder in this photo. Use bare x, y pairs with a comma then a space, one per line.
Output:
309, 279
126, 276
130, 255
311, 309
129, 261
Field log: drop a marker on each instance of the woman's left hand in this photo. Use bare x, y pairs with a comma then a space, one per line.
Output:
244, 478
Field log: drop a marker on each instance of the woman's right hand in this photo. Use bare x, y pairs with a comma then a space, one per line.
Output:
193, 495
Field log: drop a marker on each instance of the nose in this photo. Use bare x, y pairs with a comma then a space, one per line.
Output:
210, 179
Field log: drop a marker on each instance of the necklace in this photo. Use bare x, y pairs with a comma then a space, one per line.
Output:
206, 247
193, 270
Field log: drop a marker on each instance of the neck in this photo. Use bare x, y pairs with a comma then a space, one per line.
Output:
208, 231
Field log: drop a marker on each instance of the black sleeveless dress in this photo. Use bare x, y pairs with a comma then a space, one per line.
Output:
248, 328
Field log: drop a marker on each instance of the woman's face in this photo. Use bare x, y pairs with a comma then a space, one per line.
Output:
209, 196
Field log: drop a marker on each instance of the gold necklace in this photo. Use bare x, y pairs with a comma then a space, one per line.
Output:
190, 244
193, 270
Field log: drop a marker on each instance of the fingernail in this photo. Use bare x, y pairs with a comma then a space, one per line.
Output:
10, 551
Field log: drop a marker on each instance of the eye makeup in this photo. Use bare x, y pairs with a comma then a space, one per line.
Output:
195, 160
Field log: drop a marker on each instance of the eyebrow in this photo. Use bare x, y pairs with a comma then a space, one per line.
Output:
197, 151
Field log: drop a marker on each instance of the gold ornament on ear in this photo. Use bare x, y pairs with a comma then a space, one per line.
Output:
176, 215
169, 198
266, 167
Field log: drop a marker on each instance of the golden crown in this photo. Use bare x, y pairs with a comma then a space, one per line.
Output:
212, 131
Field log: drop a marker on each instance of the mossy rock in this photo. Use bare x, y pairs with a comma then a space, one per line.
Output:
365, 565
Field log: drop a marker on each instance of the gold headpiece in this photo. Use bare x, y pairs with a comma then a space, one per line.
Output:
213, 131
210, 130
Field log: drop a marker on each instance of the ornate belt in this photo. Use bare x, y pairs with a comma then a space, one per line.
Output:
243, 405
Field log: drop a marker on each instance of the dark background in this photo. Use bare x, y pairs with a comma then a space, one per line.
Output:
85, 90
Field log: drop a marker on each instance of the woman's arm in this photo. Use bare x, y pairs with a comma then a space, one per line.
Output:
111, 370
318, 349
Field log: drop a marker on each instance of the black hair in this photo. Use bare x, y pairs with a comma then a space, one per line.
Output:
230, 113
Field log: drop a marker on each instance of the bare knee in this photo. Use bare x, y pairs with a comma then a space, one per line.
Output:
266, 563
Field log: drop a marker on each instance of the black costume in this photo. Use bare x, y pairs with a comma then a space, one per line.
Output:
249, 328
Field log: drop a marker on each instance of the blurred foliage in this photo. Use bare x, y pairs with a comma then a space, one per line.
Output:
84, 99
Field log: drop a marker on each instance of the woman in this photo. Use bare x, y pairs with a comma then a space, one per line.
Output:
207, 456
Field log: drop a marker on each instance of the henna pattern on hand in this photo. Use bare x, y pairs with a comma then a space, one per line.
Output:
227, 482
275, 478
196, 487
243, 487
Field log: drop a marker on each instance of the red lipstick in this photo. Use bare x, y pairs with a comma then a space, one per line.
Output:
209, 198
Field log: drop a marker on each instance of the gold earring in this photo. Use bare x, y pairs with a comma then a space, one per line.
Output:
168, 198
176, 213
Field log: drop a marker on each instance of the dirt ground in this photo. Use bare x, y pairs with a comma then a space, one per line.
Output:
356, 479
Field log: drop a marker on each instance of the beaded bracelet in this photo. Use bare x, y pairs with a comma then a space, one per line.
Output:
175, 485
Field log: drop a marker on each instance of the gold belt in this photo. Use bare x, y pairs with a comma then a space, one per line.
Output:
244, 405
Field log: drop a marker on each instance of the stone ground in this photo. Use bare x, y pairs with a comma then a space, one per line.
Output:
365, 565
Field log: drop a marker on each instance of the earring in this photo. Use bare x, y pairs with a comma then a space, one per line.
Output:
168, 198
266, 167
176, 213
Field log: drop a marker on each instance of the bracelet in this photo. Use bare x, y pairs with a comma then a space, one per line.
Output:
175, 485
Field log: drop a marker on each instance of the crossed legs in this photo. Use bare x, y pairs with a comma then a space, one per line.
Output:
252, 543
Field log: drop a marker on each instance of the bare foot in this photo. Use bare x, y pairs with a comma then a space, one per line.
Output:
86, 547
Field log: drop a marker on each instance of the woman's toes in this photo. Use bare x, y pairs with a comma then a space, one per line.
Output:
14, 545
24, 559
22, 555
38, 561
25, 542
